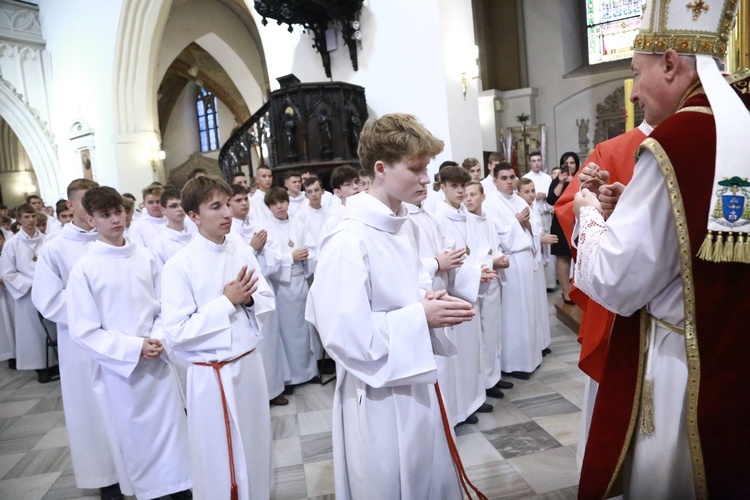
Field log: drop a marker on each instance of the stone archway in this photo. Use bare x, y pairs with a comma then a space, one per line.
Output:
35, 137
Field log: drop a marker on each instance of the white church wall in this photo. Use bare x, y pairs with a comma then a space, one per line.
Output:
80, 37
551, 44
407, 63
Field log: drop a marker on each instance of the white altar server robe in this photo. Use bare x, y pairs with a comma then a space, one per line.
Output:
313, 219
17, 266
522, 350
90, 451
7, 325
145, 230
259, 212
113, 304
541, 308
465, 369
271, 349
201, 325
489, 307
388, 437
167, 243
431, 242
290, 285
296, 203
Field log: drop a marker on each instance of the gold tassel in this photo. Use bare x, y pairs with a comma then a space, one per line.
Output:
647, 407
718, 248
739, 248
707, 247
746, 250
729, 248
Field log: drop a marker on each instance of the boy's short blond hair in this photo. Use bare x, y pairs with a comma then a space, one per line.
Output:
478, 184
80, 185
523, 181
395, 137
153, 189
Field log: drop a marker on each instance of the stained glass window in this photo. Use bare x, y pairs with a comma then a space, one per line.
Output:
611, 26
208, 122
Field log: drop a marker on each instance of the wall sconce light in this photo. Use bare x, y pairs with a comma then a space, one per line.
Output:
157, 154
472, 70
28, 186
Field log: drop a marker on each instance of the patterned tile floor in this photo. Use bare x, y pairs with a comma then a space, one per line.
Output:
525, 448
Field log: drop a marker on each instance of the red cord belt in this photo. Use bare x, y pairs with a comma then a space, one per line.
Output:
233, 492
462, 476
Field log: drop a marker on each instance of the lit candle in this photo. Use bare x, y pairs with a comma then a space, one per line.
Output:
629, 107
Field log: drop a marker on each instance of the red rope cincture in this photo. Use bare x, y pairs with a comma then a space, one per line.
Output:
465, 481
217, 366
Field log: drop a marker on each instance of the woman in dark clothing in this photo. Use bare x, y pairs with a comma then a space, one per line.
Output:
569, 163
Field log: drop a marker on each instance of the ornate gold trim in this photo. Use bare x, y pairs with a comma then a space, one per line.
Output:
697, 44
636, 402
691, 338
696, 109
732, 79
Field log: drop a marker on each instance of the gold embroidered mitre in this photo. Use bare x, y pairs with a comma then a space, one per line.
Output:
700, 27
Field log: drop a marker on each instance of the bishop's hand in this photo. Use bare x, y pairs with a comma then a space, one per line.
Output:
585, 198
591, 177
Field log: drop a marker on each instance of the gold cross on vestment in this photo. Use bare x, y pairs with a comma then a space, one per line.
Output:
698, 7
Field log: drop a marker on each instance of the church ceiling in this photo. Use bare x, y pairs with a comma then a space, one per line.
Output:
195, 64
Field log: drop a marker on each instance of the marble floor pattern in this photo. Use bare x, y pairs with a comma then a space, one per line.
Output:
525, 448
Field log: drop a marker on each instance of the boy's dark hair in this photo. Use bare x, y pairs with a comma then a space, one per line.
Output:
5, 219
535, 153
80, 185
61, 206
260, 167
275, 195
101, 198
15, 227
503, 165
238, 173
342, 175
3, 206
455, 174
169, 193
128, 196
32, 197
197, 172
394, 137
25, 208
237, 189
293, 173
311, 180
478, 184
200, 189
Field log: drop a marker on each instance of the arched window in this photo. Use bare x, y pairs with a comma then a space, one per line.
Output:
611, 26
208, 120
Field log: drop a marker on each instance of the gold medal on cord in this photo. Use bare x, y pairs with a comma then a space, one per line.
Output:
468, 251
291, 244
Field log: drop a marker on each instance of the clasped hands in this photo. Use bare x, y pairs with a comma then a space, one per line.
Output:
442, 310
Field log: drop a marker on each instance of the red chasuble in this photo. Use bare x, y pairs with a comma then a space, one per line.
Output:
617, 156
716, 333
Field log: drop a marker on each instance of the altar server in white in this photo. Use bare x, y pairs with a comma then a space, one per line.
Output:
213, 297
388, 438
467, 282
489, 304
7, 322
147, 227
522, 349
90, 451
527, 191
290, 285
258, 209
248, 233
293, 185
313, 214
114, 314
17, 266
175, 235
